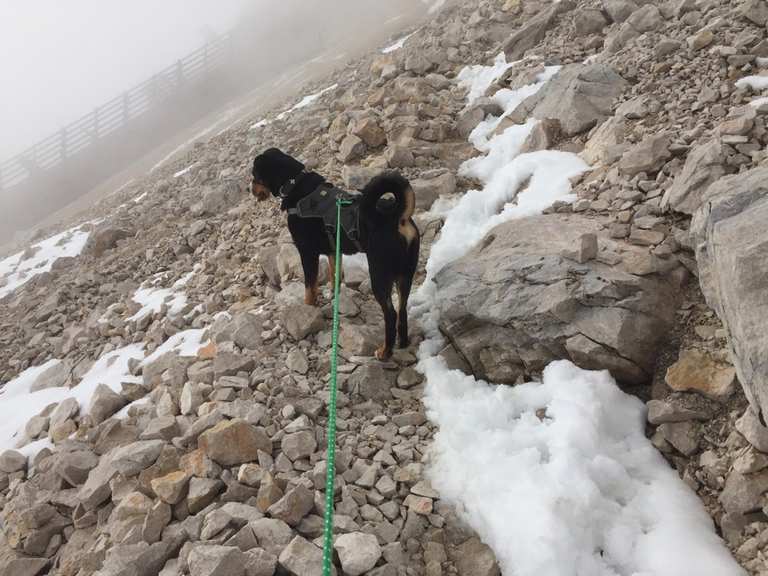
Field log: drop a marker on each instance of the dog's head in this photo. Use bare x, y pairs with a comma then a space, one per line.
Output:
271, 170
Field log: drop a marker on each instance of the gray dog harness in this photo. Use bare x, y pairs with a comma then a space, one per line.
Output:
322, 204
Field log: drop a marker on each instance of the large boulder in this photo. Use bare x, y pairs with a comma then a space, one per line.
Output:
54, 376
731, 233
516, 302
579, 97
705, 164
219, 199
234, 442
105, 237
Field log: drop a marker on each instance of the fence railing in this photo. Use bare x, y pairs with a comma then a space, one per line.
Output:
115, 114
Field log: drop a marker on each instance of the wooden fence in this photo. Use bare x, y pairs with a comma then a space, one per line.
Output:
119, 114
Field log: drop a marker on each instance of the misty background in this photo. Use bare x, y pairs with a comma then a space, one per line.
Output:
61, 58
134, 77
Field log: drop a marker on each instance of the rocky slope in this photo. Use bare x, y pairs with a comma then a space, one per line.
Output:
203, 453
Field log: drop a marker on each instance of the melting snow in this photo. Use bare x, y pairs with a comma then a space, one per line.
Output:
181, 173
306, 101
18, 404
185, 343
152, 298
757, 83
558, 476
479, 78
16, 272
397, 45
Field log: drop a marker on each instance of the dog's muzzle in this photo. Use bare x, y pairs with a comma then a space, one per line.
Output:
259, 191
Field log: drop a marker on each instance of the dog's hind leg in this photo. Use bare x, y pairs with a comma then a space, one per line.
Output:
383, 292
310, 262
403, 292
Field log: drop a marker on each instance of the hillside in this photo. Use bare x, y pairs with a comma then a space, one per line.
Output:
585, 389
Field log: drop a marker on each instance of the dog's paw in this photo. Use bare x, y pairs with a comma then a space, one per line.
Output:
383, 353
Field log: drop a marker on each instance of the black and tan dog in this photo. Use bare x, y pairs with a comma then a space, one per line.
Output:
386, 233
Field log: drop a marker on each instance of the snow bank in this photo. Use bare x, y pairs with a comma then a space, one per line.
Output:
306, 101
16, 272
18, 405
479, 78
515, 185
185, 343
559, 478
397, 45
152, 298
757, 83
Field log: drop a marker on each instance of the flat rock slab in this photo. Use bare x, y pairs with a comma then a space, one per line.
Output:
514, 304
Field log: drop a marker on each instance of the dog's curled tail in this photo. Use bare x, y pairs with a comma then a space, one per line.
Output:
389, 198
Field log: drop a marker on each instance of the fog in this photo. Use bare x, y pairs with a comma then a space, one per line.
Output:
61, 58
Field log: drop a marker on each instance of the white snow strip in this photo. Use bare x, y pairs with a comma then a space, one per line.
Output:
479, 78
185, 343
18, 404
397, 45
757, 83
184, 171
757, 102
558, 476
15, 272
260, 124
504, 173
152, 298
140, 197
504, 198
306, 101
581, 492
122, 414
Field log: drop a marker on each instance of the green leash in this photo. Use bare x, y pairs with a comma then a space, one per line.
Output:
330, 474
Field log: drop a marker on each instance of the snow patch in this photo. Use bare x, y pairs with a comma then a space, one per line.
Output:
15, 272
18, 404
306, 101
515, 185
559, 478
184, 171
397, 45
556, 477
479, 78
185, 343
152, 298
757, 83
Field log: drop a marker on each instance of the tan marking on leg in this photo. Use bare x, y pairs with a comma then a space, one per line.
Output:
382, 353
410, 204
310, 293
408, 231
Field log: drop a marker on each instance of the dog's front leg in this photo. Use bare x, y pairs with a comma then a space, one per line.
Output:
310, 263
332, 270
